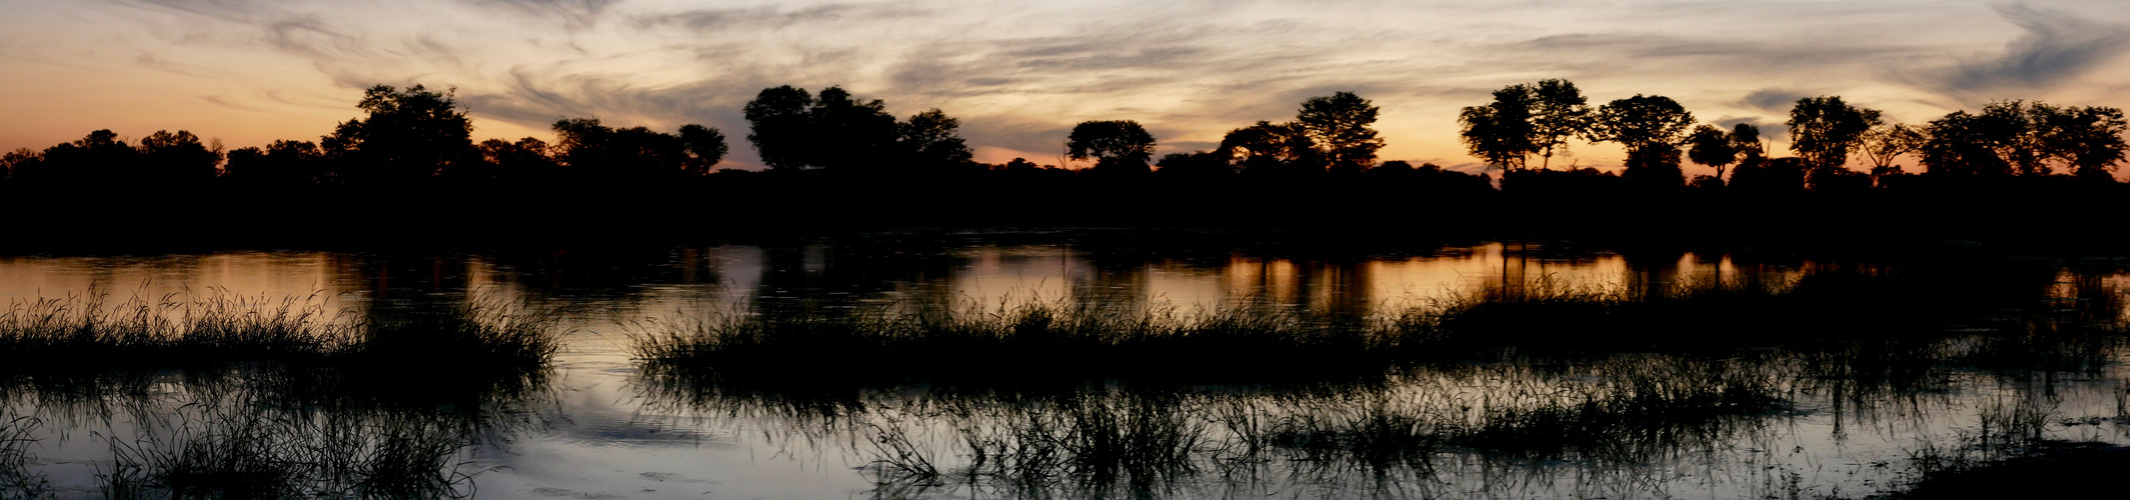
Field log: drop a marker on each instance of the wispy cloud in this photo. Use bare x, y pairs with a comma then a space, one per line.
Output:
2057, 47
1020, 77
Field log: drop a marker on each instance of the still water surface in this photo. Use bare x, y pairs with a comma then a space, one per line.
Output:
601, 431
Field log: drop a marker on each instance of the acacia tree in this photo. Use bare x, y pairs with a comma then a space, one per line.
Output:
1650, 127
1501, 132
1823, 130
1559, 111
1340, 125
1883, 144
1713, 147
1115, 145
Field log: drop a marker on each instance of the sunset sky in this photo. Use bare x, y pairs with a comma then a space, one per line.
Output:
1019, 74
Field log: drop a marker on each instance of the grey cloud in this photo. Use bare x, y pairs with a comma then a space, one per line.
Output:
777, 18
2057, 46
1617, 53
1040, 138
1188, 146
230, 10
1768, 130
310, 36
576, 13
1772, 100
535, 97
220, 101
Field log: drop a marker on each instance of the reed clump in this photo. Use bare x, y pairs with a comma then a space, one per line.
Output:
92, 333
172, 330
869, 342
1033, 341
249, 448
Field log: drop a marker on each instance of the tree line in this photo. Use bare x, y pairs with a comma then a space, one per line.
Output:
421, 138
2006, 138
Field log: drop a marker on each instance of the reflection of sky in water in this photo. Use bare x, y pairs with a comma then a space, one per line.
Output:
603, 439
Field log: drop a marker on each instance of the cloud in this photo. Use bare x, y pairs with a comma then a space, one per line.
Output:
2057, 47
1771, 100
228, 10
583, 11
778, 18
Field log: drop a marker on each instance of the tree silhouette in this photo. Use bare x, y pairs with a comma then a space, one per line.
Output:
178, 160
1641, 122
281, 165
1823, 130
1340, 125
1745, 137
1884, 143
1998, 141
99, 159
1197, 166
594, 151
781, 123
1271, 149
527, 159
1115, 145
408, 136
1712, 146
705, 147
1559, 111
1501, 132
1650, 127
18, 159
854, 133
931, 139
2089, 139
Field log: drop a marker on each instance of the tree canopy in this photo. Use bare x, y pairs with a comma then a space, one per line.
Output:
1119, 145
1341, 126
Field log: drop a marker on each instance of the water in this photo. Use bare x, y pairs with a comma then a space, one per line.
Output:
598, 428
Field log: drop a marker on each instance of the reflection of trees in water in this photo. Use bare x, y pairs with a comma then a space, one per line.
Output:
1872, 350
1626, 425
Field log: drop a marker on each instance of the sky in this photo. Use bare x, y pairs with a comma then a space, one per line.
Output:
1019, 74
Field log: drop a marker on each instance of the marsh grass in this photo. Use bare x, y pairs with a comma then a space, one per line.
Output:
47, 334
245, 449
1108, 440
68, 345
1057, 398
16, 437
1035, 341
